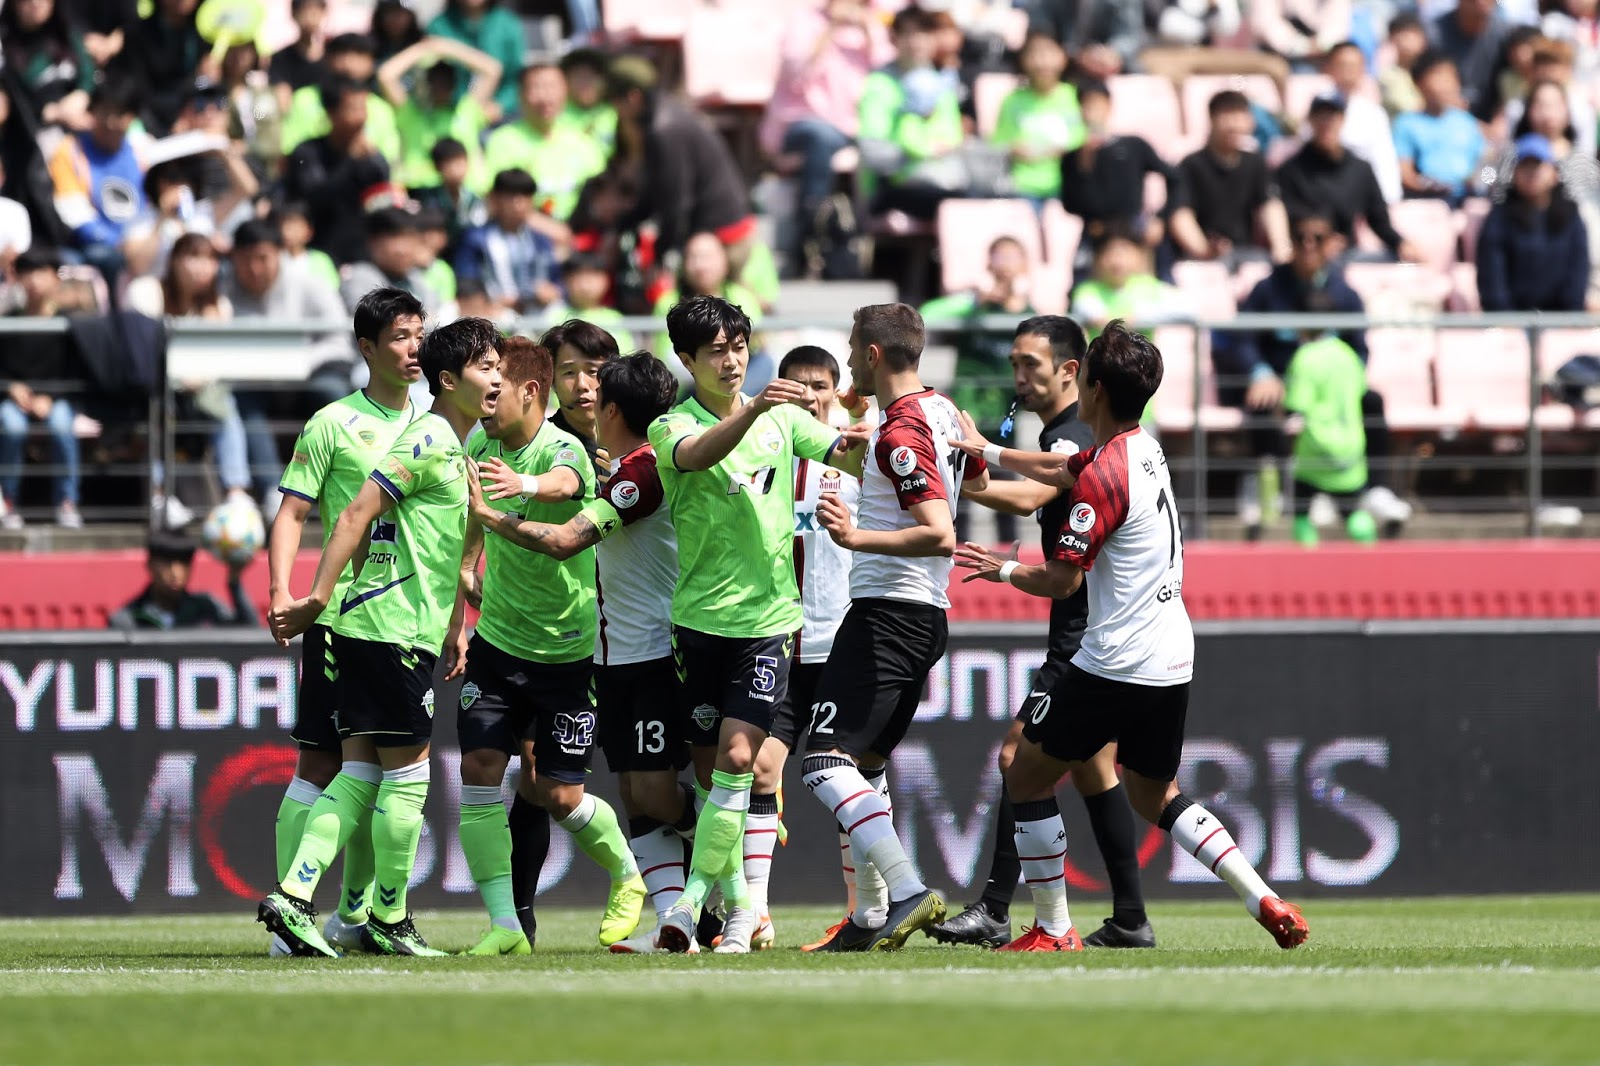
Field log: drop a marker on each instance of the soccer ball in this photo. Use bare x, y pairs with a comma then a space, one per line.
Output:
233, 531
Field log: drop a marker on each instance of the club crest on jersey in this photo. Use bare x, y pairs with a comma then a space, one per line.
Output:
427, 702
469, 694
902, 460
624, 494
831, 481
705, 716
772, 441
1063, 447
1081, 518
367, 436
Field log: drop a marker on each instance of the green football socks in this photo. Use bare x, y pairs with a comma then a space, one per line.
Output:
719, 841
396, 828
356, 897
329, 825
291, 823
486, 843
594, 828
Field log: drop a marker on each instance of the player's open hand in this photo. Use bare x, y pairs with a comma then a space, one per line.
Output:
984, 564
455, 653
602, 468
853, 403
503, 482
781, 391
835, 518
857, 435
289, 622
971, 441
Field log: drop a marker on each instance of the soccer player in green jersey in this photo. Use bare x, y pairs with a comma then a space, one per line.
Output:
726, 466
411, 517
529, 686
332, 457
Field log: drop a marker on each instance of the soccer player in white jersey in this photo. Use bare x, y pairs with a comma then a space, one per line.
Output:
895, 630
1129, 681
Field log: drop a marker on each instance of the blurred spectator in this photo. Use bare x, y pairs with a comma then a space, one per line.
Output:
1574, 21
330, 173
910, 125
16, 232
514, 260
1473, 37
1193, 37
165, 55
430, 111
394, 28
693, 183
1515, 73
106, 25
1441, 146
1546, 113
586, 280
167, 603
392, 260
53, 73
1533, 253
178, 202
1552, 61
462, 207
350, 57
304, 63
1230, 192
1102, 36
707, 272
1123, 286
1300, 31
254, 110
433, 241
27, 360
587, 109
1102, 181
828, 50
560, 156
293, 220
489, 28
473, 301
1409, 40
1366, 129
1327, 176
1040, 120
99, 178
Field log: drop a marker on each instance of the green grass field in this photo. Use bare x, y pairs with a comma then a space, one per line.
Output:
1490, 980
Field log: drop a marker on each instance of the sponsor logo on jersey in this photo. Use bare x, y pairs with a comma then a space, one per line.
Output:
398, 469
902, 460
1170, 591
831, 481
1074, 543
624, 494
1081, 518
914, 484
367, 436
302, 458
469, 694
352, 420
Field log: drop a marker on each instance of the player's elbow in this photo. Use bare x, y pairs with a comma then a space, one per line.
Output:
942, 542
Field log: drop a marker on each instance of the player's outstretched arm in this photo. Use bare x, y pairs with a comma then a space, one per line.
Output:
349, 533
1054, 579
1020, 498
554, 486
705, 450
283, 544
558, 542
934, 535
1048, 468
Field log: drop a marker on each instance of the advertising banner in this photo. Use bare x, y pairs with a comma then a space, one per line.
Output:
144, 775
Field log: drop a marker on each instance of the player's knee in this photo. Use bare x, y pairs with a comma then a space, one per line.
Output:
557, 797
1097, 775
317, 767
483, 767
1148, 796
1027, 778
659, 798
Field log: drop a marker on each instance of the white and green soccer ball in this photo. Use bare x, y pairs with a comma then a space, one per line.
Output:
233, 531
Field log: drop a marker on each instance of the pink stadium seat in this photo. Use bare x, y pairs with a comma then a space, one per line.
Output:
1146, 105
1398, 289
647, 20
1174, 401
1430, 226
1198, 89
966, 228
1400, 369
1470, 218
1207, 286
1248, 275
1062, 233
989, 91
1556, 346
1301, 90
1463, 289
709, 78
1483, 381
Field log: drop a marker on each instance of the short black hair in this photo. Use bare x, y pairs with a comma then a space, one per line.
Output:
514, 181
378, 309
590, 340
896, 329
592, 58
446, 149
810, 355
912, 19
1342, 45
1226, 101
1065, 337
118, 95
1313, 213
451, 347
642, 388
352, 44
171, 544
291, 208
256, 231
694, 323
1429, 61
335, 90
470, 287
1006, 238
1093, 87
389, 222
1406, 20
1127, 365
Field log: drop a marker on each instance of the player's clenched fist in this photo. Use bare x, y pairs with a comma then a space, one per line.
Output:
834, 517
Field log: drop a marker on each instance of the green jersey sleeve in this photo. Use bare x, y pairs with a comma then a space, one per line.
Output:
811, 439
669, 431
410, 467
312, 459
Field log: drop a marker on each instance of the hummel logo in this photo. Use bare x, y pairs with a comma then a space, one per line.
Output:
307, 873
1060, 837
1200, 821
387, 896
812, 785
1022, 831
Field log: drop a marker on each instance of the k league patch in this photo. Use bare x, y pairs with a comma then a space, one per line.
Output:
624, 494
469, 694
902, 460
1081, 519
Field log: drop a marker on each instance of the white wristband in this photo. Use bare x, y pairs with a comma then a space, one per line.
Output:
1007, 569
991, 454
530, 485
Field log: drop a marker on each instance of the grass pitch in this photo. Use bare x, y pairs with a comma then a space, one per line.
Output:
1490, 980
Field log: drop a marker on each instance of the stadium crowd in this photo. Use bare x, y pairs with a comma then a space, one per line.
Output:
529, 161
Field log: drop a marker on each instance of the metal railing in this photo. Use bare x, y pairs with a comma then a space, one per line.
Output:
280, 355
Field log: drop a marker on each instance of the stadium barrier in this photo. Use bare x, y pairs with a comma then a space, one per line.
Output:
142, 774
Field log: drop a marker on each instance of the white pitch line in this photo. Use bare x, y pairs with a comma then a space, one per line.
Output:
654, 974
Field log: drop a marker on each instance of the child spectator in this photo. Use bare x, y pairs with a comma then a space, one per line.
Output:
432, 112
1323, 388
586, 280
1533, 253
587, 107
99, 178
294, 224
462, 206
167, 603
1409, 39
433, 240
1040, 121
1441, 146
515, 262
559, 156
1122, 286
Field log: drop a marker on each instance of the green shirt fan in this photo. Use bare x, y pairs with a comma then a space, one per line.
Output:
226, 23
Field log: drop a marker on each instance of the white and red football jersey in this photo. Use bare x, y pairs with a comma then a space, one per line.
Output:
909, 461
821, 567
636, 567
1123, 516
